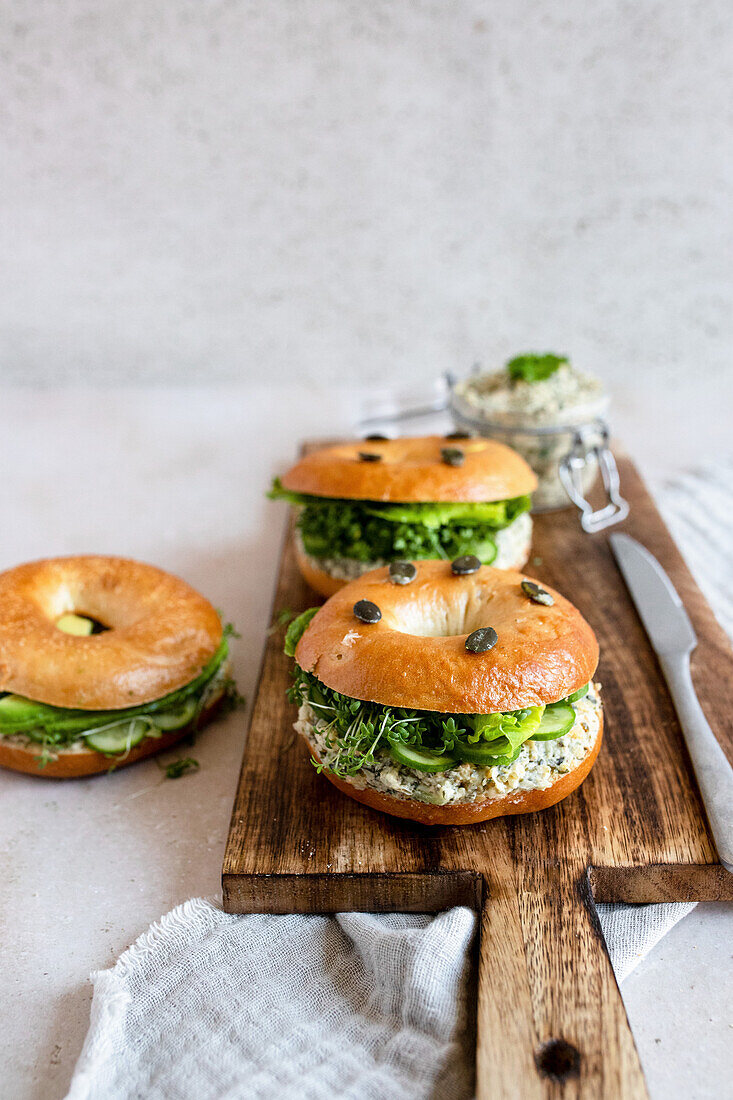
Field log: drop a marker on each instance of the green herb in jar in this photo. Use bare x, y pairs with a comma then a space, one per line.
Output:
534, 368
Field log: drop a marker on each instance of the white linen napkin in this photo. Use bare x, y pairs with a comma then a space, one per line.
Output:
207, 1005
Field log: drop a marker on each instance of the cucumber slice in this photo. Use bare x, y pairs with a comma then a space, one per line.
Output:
17, 709
75, 624
176, 717
485, 754
558, 719
485, 551
423, 760
119, 738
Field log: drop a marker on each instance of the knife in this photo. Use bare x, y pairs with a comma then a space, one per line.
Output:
673, 639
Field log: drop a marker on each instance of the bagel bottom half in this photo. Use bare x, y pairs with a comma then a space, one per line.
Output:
469, 813
318, 579
72, 764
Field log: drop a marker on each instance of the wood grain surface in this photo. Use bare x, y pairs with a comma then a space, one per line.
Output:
550, 1018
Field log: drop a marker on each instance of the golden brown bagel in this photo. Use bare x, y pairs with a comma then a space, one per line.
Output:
412, 471
319, 580
415, 656
469, 813
82, 762
162, 632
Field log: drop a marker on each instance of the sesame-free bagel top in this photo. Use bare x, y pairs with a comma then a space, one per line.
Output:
161, 632
415, 656
413, 471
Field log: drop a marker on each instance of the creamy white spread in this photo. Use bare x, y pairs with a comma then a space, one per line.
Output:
512, 551
538, 766
566, 397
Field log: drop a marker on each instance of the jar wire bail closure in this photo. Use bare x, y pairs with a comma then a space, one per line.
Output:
570, 468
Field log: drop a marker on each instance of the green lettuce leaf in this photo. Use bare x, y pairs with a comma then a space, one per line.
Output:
506, 732
296, 630
498, 513
279, 492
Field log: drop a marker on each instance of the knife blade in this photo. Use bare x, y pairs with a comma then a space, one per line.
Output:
673, 639
660, 608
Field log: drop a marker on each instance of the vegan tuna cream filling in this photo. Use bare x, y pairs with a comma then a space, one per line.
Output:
539, 390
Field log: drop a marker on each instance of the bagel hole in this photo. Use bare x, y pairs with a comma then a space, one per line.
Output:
465, 613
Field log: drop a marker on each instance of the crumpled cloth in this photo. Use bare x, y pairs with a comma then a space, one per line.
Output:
360, 1006
206, 1006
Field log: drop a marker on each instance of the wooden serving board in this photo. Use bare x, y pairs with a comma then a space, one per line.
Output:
550, 1017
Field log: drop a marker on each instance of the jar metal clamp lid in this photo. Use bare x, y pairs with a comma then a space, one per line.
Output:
570, 469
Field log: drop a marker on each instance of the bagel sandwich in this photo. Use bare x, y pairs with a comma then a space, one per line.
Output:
365, 504
104, 661
466, 693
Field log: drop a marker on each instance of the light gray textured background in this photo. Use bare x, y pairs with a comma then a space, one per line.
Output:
311, 191
334, 189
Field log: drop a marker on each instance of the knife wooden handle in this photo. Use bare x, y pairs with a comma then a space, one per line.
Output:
713, 771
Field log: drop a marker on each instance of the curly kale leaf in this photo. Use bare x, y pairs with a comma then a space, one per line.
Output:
369, 531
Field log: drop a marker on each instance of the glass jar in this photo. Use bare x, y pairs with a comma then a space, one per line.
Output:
566, 447
566, 444
544, 447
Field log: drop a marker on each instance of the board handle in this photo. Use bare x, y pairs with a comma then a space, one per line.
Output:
551, 1022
